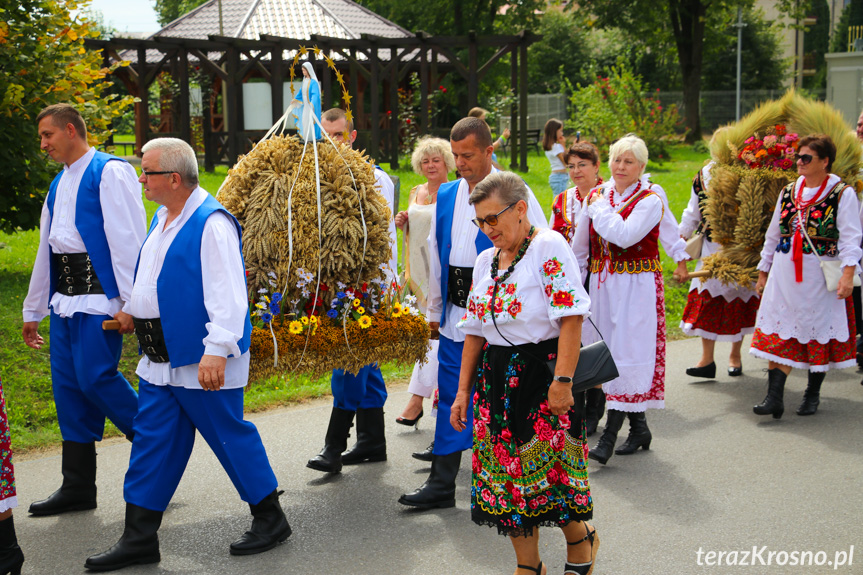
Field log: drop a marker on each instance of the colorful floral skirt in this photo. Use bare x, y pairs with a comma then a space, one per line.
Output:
8, 499
717, 318
812, 355
529, 466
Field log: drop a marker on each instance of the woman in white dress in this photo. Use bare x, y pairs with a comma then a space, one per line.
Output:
800, 323
714, 311
618, 238
526, 306
432, 159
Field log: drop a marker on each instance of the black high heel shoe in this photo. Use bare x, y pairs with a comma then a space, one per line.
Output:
583, 568
735, 371
415, 422
537, 570
708, 371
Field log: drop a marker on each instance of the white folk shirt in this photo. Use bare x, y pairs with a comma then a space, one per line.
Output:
388, 191
125, 229
225, 295
463, 254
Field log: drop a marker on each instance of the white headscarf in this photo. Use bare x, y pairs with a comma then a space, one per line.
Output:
307, 66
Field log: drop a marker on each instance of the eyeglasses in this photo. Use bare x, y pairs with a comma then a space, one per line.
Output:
804, 158
147, 174
491, 220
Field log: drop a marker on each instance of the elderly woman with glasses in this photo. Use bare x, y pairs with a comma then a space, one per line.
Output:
800, 322
618, 237
526, 306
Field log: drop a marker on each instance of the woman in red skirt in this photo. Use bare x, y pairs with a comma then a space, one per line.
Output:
800, 322
714, 311
11, 557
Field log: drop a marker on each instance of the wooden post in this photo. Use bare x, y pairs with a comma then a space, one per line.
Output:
277, 82
424, 92
375, 146
142, 126
326, 77
522, 88
209, 144
395, 122
359, 112
473, 80
185, 114
513, 107
232, 113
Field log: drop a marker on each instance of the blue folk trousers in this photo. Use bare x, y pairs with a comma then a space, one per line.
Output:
87, 386
165, 434
365, 390
446, 439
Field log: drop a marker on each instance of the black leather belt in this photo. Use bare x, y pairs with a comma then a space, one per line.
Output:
151, 339
458, 286
75, 274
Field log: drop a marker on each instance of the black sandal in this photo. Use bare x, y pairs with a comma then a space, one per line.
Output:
537, 570
584, 568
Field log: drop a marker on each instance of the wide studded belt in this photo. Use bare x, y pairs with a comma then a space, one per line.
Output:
75, 274
458, 286
151, 339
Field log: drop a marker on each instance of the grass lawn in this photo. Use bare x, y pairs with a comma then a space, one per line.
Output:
26, 373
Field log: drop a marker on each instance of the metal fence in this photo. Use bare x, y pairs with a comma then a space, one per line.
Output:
540, 108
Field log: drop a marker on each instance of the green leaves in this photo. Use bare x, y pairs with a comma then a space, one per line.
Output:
42, 62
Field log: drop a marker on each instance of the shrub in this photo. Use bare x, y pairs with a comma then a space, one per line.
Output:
619, 104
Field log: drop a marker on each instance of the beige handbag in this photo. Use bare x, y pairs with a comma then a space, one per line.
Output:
694, 245
832, 269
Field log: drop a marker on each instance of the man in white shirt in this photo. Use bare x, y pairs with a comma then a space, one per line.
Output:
92, 226
454, 245
191, 316
363, 394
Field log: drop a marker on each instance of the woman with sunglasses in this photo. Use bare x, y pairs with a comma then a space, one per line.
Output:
618, 236
526, 306
800, 323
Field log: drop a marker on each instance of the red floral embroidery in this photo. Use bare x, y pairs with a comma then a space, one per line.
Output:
562, 299
551, 267
514, 308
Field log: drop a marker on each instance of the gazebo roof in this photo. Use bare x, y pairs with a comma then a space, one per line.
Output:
298, 19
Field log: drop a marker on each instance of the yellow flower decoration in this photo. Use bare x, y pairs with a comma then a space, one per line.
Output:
305, 320
365, 322
314, 319
361, 310
397, 308
396, 312
356, 303
295, 327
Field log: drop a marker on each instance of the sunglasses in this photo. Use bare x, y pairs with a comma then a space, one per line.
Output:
804, 158
492, 219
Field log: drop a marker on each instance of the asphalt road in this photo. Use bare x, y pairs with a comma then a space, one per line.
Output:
717, 479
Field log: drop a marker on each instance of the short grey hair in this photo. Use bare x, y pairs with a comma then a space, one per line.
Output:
177, 156
629, 143
428, 147
509, 188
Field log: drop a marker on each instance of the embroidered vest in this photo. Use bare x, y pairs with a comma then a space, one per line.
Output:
560, 221
89, 222
820, 221
180, 289
638, 258
699, 188
446, 196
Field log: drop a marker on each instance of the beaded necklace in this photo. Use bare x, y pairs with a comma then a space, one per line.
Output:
495, 261
611, 194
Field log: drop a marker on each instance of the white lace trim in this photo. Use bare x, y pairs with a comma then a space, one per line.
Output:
636, 407
8, 503
634, 379
688, 330
803, 323
800, 364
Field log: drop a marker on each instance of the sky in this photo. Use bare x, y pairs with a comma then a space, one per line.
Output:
128, 15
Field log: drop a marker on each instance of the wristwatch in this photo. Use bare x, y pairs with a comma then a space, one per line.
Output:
563, 379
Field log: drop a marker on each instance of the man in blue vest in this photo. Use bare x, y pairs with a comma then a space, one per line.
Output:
456, 242
92, 226
363, 394
190, 308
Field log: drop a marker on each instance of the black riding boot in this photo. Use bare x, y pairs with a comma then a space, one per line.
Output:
427, 454
639, 435
371, 442
812, 395
772, 403
605, 446
11, 556
269, 527
139, 544
439, 488
78, 491
329, 460
594, 409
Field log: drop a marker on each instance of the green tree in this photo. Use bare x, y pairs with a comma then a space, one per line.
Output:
852, 15
686, 23
561, 53
458, 17
762, 65
43, 61
169, 10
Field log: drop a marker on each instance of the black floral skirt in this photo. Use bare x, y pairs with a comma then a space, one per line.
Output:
529, 466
